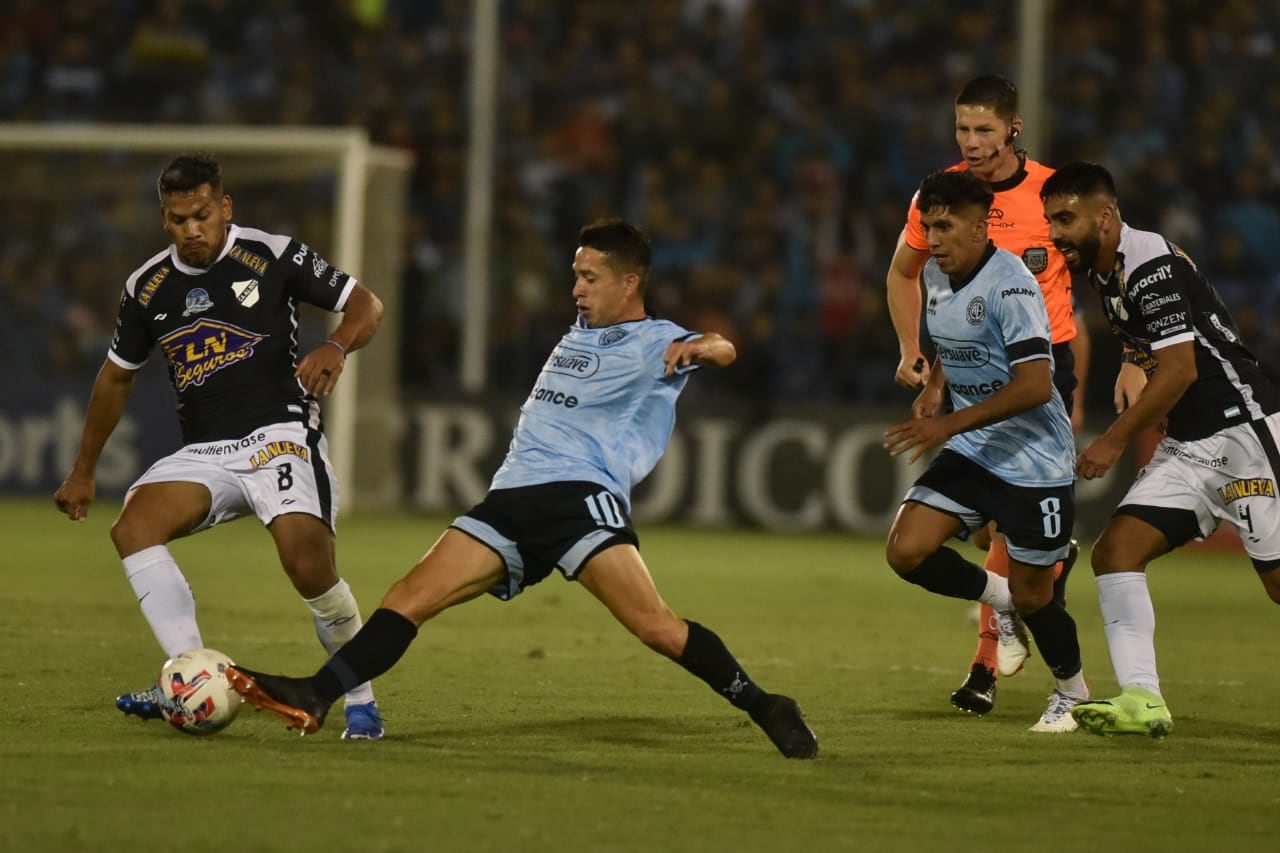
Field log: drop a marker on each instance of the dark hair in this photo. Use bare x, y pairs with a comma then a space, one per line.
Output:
623, 243
991, 90
1079, 178
186, 172
954, 189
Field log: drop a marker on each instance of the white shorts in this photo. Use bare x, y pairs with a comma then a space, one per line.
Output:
278, 469
1229, 476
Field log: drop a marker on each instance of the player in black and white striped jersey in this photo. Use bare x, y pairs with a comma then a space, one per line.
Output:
1219, 460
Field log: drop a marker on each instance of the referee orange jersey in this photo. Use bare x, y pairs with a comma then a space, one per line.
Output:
1017, 225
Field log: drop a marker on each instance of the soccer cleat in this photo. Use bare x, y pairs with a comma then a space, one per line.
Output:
1136, 711
1014, 647
1060, 582
783, 721
978, 693
1057, 718
147, 704
291, 699
363, 722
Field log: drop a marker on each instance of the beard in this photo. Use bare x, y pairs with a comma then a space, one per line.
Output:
1086, 252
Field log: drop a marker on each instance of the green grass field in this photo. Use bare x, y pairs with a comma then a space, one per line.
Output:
541, 725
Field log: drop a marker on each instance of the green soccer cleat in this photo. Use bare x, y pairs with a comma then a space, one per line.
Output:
1136, 711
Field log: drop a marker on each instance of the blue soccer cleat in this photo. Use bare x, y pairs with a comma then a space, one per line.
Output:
147, 704
363, 722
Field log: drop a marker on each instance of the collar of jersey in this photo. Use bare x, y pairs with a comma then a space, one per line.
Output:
957, 284
581, 322
1117, 265
1014, 179
233, 232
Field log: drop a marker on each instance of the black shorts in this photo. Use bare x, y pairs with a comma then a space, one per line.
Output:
1036, 520
537, 529
1064, 374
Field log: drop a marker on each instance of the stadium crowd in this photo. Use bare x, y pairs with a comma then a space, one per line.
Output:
771, 147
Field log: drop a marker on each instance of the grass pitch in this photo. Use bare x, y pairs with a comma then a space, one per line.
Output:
540, 725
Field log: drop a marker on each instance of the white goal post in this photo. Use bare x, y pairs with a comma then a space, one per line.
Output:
369, 204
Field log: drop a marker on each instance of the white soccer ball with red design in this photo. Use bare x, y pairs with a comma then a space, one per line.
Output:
198, 698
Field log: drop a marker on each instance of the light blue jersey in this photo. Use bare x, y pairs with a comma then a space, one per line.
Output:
601, 409
982, 328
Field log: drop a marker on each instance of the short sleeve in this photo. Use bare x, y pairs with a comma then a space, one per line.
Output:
312, 279
132, 342
1158, 290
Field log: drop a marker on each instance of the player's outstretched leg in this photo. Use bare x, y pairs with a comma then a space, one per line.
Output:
618, 577
303, 702
293, 700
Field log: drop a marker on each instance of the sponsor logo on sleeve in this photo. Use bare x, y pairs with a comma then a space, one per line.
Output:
149, 289
318, 265
1172, 322
1164, 272
1017, 291
301, 255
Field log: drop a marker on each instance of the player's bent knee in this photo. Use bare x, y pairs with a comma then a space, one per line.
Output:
665, 636
904, 556
130, 537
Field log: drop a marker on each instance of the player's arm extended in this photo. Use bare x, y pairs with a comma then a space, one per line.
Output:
902, 291
1031, 386
1174, 373
709, 348
110, 393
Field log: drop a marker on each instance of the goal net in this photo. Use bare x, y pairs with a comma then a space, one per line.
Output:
81, 213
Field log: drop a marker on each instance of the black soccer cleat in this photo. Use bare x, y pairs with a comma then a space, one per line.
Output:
1060, 582
291, 699
978, 693
783, 721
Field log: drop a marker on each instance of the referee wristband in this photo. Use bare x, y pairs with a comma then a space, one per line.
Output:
340, 347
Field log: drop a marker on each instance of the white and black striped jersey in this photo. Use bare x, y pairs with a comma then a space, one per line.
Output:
1156, 297
229, 332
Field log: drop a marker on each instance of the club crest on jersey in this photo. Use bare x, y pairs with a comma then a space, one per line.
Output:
198, 351
197, 302
246, 292
976, 311
1036, 258
611, 336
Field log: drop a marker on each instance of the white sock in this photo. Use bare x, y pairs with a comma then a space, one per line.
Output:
1074, 686
1130, 623
996, 595
165, 598
337, 619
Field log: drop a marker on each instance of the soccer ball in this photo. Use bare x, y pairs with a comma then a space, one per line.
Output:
198, 698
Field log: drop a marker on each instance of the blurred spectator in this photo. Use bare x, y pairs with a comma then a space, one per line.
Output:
771, 147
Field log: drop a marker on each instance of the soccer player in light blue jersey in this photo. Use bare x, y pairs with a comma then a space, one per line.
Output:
1008, 454
597, 421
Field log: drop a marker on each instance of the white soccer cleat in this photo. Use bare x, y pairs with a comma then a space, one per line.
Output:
1014, 647
1057, 718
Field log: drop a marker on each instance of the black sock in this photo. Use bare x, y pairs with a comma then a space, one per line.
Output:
705, 656
372, 651
1055, 633
945, 572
